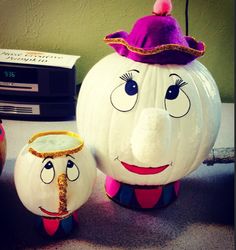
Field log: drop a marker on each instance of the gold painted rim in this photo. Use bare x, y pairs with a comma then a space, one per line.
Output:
58, 153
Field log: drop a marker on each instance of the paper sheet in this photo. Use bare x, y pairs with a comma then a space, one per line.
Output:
37, 58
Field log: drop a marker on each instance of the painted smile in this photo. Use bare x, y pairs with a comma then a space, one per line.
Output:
53, 213
144, 170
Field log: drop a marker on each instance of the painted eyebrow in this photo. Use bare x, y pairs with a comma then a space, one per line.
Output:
134, 70
48, 157
173, 74
70, 156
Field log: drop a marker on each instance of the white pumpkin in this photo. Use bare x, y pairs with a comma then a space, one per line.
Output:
148, 124
54, 174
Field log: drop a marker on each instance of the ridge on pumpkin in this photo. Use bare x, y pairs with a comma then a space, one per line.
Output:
162, 7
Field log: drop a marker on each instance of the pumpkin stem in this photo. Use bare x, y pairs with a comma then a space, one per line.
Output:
220, 155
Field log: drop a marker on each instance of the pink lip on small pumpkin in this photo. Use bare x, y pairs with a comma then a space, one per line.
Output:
53, 213
144, 171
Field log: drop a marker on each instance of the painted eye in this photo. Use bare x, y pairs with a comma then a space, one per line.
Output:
131, 87
72, 171
125, 96
177, 102
172, 92
48, 173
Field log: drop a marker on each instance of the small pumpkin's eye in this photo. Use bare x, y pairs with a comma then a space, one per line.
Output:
176, 101
72, 171
48, 173
125, 96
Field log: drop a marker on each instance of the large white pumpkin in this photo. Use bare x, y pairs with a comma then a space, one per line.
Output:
148, 124
54, 174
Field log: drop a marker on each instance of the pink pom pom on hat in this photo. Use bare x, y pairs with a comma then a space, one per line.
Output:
162, 8
156, 39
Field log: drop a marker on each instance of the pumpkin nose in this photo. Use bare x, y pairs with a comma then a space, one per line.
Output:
150, 140
62, 185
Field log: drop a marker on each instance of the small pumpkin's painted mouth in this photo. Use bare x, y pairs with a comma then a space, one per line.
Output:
144, 171
53, 213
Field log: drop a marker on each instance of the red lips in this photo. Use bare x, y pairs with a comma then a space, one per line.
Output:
144, 170
53, 213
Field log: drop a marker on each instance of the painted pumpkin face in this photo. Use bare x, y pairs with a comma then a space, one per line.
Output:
2, 147
54, 174
148, 124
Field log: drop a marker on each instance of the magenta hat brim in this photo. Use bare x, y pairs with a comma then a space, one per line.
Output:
161, 54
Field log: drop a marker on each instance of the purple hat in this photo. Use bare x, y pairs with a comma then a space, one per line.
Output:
156, 39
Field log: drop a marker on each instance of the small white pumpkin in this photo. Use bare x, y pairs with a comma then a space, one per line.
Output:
54, 174
148, 124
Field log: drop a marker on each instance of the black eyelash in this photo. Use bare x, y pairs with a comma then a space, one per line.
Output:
180, 83
126, 77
